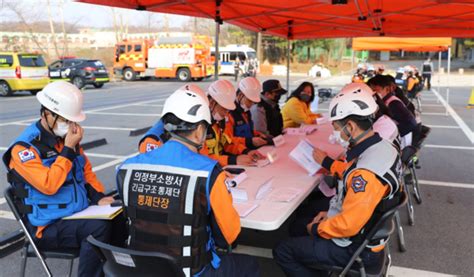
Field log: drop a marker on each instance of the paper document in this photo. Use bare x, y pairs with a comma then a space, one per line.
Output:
284, 194
244, 209
309, 128
278, 141
239, 194
303, 155
264, 189
295, 132
97, 212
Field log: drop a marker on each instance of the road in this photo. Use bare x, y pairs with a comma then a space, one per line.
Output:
439, 242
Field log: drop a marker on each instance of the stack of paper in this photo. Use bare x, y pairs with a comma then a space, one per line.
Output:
264, 189
244, 209
239, 194
303, 155
97, 212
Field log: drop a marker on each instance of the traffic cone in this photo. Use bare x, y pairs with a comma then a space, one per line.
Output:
470, 105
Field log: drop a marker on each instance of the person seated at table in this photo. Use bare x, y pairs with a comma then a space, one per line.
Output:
368, 185
239, 123
383, 125
50, 172
177, 201
157, 135
221, 144
266, 115
405, 120
296, 110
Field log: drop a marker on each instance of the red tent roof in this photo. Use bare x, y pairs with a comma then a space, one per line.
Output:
319, 18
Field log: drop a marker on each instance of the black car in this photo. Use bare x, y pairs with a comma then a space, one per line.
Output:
80, 72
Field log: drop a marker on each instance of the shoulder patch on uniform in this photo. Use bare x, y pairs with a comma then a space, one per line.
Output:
151, 147
358, 184
26, 155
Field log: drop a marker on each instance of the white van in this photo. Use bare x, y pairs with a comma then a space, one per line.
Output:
229, 53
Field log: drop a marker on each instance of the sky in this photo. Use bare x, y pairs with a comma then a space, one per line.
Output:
86, 14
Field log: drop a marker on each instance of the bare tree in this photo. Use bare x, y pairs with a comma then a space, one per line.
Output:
18, 11
65, 45
51, 25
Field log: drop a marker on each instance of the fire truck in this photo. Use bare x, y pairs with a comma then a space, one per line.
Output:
185, 58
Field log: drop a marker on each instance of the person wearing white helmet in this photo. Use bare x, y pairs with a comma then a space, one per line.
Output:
46, 166
297, 108
176, 198
239, 122
157, 135
368, 185
221, 144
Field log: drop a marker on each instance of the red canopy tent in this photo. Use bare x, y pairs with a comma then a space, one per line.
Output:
305, 19
320, 18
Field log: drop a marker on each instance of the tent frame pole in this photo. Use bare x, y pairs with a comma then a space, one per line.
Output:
218, 21
439, 73
288, 48
448, 80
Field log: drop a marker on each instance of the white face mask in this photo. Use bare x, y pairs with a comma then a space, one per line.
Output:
337, 138
61, 129
217, 116
244, 107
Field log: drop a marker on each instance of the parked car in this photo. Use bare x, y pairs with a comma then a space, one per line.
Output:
80, 72
22, 71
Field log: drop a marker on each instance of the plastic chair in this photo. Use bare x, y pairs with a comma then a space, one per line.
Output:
122, 262
382, 229
30, 249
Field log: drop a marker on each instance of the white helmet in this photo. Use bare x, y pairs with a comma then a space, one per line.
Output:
196, 89
223, 92
353, 99
64, 99
251, 88
187, 106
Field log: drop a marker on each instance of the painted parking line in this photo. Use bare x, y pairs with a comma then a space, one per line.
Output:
125, 114
432, 105
410, 272
449, 147
443, 114
148, 105
88, 111
7, 215
446, 184
112, 163
467, 131
107, 156
89, 127
444, 126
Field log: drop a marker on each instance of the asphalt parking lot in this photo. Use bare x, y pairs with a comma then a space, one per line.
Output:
439, 243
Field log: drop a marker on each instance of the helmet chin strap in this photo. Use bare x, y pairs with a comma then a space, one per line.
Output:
353, 141
171, 128
54, 123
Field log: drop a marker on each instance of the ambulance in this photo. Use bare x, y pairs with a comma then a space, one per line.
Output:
185, 58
